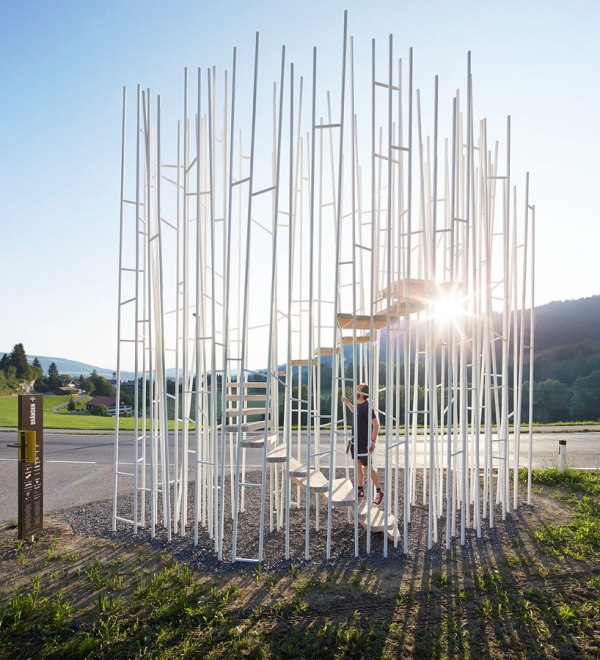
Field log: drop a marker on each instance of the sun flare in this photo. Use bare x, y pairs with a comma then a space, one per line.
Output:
447, 309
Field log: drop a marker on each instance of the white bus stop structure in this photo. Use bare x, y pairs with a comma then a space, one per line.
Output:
281, 244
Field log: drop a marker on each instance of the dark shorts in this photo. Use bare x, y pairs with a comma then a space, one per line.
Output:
362, 449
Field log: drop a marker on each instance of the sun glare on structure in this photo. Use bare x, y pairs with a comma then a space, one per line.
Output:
447, 309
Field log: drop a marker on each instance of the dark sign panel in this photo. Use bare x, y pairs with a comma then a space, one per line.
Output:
31, 475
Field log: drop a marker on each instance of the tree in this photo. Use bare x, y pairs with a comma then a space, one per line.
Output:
100, 410
4, 362
101, 386
86, 385
71, 405
585, 404
37, 372
551, 401
53, 377
18, 359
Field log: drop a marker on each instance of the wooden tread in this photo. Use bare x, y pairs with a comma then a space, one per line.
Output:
244, 412
257, 442
236, 385
343, 493
363, 322
378, 521
346, 341
277, 455
247, 397
247, 427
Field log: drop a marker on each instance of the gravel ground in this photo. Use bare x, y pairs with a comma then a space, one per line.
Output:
94, 520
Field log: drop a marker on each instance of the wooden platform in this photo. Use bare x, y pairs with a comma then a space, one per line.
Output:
378, 521
247, 397
276, 455
303, 363
363, 322
247, 427
244, 412
347, 341
342, 493
325, 351
318, 482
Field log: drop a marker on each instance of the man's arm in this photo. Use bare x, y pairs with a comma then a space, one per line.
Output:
350, 406
375, 429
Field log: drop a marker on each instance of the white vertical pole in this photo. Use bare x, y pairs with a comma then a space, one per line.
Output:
120, 285
531, 355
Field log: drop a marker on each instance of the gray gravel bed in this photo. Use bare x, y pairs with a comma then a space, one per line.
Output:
94, 520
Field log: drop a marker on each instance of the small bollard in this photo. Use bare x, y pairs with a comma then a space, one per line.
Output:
562, 452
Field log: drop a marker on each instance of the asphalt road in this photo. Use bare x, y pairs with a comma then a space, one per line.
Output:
78, 467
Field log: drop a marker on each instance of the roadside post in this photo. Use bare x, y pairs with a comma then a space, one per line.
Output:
562, 453
30, 482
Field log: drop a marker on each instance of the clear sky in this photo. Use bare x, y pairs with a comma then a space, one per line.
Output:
63, 65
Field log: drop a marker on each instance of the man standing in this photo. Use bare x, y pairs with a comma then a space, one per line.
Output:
361, 440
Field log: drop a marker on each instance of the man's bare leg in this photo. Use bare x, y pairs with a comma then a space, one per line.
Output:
375, 477
360, 475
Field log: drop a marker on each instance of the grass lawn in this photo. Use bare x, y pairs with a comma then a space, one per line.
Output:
533, 594
64, 419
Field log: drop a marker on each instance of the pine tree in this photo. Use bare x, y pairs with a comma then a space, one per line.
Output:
18, 359
53, 376
37, 373
5, 362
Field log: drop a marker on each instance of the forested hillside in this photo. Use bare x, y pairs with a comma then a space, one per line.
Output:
567, 339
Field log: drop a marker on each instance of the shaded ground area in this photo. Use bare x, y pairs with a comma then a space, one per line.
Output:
528, 589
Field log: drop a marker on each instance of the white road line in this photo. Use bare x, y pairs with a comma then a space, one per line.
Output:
77, 462
53, 461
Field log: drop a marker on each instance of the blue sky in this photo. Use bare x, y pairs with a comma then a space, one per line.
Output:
63, 66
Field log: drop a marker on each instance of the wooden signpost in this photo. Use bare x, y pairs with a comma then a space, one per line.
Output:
31, 466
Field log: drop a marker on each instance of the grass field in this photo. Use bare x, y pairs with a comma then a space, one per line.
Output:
64, 419
534, 594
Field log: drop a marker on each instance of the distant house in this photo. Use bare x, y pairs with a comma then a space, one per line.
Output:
68, 383
67, 391
110, 402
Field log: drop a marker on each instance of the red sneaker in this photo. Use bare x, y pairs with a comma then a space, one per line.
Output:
361, 493
378, 498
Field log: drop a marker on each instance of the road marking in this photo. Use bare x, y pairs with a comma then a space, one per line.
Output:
51, 461
77, 462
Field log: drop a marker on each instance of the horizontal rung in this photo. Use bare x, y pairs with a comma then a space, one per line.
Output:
264, 190
125, 520
328, 125
250, 485
125, 474
380, 84
247, 560
397, 444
